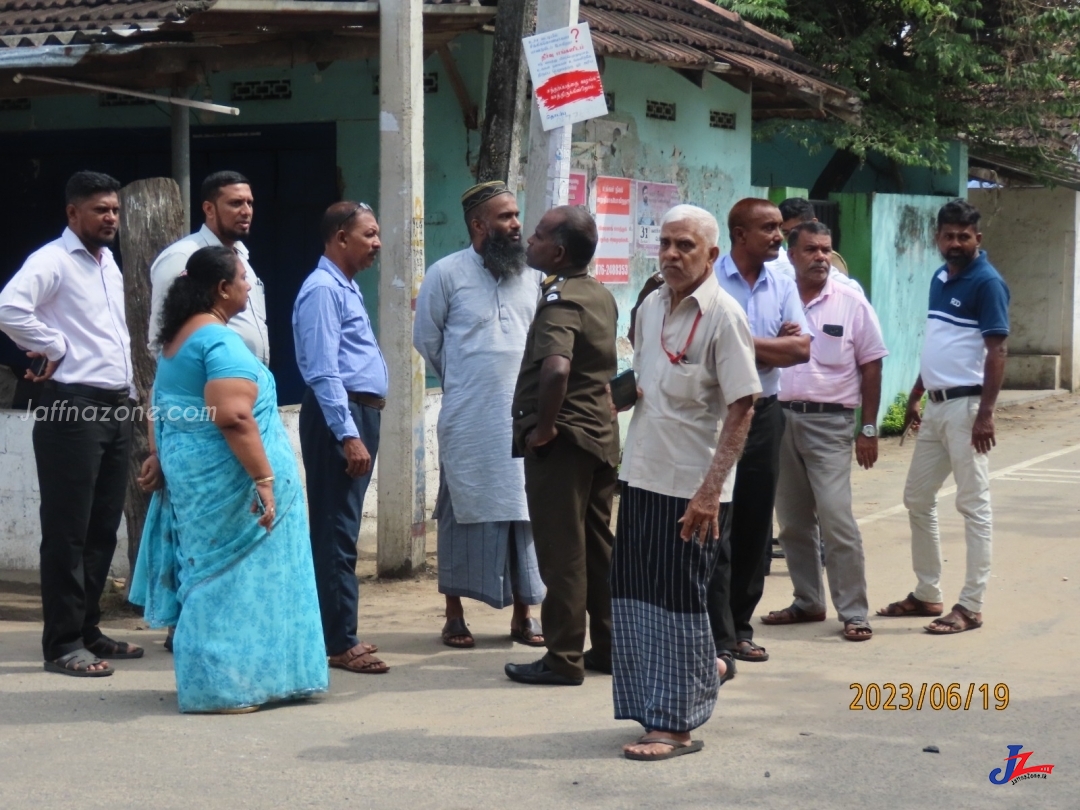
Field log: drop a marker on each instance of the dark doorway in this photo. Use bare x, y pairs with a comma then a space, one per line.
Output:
293, 173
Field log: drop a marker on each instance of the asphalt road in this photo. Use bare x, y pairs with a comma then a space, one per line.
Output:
445, 729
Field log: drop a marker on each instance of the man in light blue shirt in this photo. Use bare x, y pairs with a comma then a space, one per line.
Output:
781, 339
340, 360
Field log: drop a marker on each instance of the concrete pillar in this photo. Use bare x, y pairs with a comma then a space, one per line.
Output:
181, 158
402, 527
547, 183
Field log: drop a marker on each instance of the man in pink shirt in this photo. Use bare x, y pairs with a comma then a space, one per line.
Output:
819, 398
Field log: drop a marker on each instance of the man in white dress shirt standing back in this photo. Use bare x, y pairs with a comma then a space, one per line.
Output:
228, 208
65, 306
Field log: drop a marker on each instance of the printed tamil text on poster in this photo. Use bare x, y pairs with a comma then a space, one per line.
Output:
579, 189
562, 65
614, 227
653, 200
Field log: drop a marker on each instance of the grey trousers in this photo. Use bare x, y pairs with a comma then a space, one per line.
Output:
813, 500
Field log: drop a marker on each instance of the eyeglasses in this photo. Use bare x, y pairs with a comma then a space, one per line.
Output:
359, 207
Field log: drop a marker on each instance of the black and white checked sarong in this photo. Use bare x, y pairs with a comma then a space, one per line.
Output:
663, 656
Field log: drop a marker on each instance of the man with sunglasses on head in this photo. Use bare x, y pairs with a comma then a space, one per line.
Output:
227, 208
340, 360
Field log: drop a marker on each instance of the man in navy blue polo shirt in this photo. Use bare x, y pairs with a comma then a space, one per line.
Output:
963, 364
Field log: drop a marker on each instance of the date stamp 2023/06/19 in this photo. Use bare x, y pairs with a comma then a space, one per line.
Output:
937, 696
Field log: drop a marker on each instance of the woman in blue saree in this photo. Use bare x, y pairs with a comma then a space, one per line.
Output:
226, 536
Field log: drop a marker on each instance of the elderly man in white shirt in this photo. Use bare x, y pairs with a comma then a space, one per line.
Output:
228, 208
697, 377
66, 307
472, 317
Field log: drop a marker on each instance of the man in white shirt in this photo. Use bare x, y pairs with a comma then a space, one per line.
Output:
228, 208
66, 307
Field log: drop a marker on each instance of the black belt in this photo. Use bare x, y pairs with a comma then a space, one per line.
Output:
954, 393
106, 396
814, 407
378, 403
765, 400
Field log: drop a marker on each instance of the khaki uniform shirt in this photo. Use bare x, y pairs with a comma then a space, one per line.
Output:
576, 318
676, 425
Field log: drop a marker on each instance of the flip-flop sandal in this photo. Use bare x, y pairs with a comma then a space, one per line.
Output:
920, 608
454, 629
752, 648
77, 665
958, 620
677, 749
105, 647
362, 663
852, 628
791, 615
529, 633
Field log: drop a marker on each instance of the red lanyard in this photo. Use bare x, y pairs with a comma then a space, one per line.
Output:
678, 358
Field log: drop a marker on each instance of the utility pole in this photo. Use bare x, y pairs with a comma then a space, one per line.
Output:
402, 531
548, 178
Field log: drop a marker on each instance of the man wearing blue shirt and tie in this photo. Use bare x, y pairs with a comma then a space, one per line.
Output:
781, 339
344, 369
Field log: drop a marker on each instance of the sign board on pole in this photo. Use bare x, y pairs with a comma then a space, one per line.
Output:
614, 228
653, 201
579, 189
565, 77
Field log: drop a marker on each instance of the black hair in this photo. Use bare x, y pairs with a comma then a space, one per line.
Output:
797, 208
958, 212
576, 233
84, 185
338, 215
816, 228
195, 290
214, 183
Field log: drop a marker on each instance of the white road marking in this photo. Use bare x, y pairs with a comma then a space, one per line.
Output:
1004, 471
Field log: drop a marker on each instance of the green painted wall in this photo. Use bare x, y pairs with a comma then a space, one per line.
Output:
710, 166
784, 162
856, 226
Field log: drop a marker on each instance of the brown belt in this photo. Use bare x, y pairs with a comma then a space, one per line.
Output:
378, 403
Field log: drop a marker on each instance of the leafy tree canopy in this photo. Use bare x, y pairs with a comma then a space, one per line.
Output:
1003, 75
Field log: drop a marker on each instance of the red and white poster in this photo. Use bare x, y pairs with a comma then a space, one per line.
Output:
579, 189
652, 201
615, 229
565, 76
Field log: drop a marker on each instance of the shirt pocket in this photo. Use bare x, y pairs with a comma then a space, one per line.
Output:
828, 348
684, 382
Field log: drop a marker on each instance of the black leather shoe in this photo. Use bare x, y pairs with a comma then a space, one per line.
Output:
538, 673
595, 663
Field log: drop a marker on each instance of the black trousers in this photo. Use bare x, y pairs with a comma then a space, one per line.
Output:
570, 492
335, 507
735, 590
82, 453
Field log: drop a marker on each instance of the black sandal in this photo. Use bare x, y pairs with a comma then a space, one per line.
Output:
731, 668
528, 633
750, 649
455, 628
77, 664
105, 647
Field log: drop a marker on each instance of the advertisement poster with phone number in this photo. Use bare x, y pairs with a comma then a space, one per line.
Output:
615, 229
651, 202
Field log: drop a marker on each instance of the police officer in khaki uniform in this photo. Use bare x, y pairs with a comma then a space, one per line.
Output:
563, 427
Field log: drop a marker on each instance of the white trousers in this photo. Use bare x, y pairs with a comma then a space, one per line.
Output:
944, 446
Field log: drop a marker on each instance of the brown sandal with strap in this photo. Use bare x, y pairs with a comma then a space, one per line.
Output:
958, 620
791, 615
359, 660
911, 606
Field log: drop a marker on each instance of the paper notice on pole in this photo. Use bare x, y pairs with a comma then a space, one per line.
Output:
565, 77
579, 189
652, 201
615, 229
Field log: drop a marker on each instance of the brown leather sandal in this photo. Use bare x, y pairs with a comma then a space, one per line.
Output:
958, 620
360, 661
791, 615
910, 606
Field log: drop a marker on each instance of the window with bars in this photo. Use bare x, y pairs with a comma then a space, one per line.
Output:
431, 83
262, 90
721, 120
121, 100
13, 104
660, 110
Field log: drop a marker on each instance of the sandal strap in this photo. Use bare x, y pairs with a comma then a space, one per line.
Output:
80, 656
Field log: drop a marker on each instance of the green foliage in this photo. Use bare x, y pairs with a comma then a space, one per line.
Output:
892, 424
1004, 74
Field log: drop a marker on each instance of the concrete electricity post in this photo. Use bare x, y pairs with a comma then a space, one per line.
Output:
548, 177
401, 465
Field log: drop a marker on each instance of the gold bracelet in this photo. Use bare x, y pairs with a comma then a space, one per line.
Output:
267, 480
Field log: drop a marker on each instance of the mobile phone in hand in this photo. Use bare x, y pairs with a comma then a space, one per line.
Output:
624, 389
38, 365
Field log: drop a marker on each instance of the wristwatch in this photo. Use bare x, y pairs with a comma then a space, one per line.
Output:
869, 431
